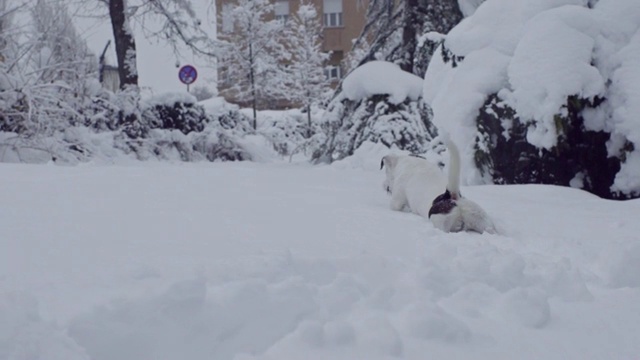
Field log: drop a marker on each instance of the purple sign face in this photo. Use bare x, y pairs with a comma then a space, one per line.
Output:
188, 74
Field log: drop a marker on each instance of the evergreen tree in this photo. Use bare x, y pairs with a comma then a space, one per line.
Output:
393, 31
305, 70
252, 58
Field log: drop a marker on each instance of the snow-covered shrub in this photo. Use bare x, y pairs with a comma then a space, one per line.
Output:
579, 159
48, 85
174, 126
53, 108
544, 92
45, 70
175, 111
202, 92
378, 103
288, 130
212, 144
348, 124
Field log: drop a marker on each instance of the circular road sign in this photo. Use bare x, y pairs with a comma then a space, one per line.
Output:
188, 74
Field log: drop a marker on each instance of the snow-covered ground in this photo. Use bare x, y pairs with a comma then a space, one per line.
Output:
291, 261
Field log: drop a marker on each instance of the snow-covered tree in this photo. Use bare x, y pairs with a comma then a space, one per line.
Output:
569, 120
202, 92
253, 54
179, 24
62, 54
394, 32
305, 70
378, 103
174, 22
394, 28
380, 32
11, 105
7, 31
47, 71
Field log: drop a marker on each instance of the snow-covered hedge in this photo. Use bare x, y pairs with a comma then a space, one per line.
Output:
544, 91
173, 126
166, 127
379, 103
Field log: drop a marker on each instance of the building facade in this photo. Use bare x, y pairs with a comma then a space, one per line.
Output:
342, 22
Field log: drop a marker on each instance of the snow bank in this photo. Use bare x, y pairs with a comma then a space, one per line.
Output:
468, 7
168, 99
278, 261
534, 54
24, 335
382, 78
367, 156
217, 106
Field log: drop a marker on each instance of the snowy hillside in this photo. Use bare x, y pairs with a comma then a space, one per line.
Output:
290, 261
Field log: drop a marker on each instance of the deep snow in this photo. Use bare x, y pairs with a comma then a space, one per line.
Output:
382, 77
290, 261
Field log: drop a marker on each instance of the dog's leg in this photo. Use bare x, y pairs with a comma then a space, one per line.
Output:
398, 201
386, 187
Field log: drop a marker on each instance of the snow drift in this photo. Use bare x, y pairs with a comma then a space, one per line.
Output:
243, 260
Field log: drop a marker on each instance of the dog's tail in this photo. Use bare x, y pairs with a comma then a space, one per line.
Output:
453, 185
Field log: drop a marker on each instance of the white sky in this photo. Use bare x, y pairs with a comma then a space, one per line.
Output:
156, 62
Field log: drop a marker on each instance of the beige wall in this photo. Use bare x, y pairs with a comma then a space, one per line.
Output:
340, 38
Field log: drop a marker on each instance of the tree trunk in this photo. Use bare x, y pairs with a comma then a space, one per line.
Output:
252, 80
309, 131
125, 44
409, 36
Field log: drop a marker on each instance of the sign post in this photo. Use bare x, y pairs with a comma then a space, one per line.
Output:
188, 75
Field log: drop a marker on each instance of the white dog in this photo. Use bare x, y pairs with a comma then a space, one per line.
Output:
450, 211
413, 182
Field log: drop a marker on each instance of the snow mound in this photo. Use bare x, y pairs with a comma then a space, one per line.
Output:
24, 335
367, 156
216, 106
382, 78
169, 99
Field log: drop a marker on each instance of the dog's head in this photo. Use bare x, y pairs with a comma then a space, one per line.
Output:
388, 163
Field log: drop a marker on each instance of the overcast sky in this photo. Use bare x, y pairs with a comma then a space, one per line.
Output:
156, 62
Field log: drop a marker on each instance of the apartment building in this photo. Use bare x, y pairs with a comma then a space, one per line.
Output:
342, 21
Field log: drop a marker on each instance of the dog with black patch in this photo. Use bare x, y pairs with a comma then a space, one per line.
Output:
450, 211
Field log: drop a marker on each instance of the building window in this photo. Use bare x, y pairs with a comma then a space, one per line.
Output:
332, 72
227, 18
332, 13
282, 11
